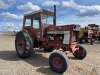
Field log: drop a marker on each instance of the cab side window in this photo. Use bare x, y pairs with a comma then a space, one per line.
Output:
28, 21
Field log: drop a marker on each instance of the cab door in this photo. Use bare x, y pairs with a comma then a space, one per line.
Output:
32, 25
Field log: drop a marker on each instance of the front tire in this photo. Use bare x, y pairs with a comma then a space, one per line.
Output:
81, 53
23, 45
58, 62
92, 41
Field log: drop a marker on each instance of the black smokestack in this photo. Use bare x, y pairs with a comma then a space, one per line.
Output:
55, 15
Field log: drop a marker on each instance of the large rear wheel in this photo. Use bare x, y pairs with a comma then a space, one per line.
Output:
23, 45
81, 53
58, 61
48, 48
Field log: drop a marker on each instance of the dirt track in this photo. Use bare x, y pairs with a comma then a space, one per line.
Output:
10, 64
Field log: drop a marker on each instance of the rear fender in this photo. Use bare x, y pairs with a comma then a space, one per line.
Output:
31, 31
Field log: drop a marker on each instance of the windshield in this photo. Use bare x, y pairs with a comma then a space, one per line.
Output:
47, 20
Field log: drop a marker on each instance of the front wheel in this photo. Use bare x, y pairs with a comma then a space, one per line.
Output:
92, 41
81, 53
58, 62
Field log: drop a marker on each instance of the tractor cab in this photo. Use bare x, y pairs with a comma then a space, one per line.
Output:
37, 22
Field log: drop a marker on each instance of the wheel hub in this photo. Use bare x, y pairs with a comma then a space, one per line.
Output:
79, 52
57, 62
20, 44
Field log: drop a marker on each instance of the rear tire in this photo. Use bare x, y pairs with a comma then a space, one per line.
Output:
81, 53
23, 45
48, 48
58, 62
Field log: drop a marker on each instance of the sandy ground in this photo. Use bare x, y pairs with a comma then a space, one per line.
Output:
10, 64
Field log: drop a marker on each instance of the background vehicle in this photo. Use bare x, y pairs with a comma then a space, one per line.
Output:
40, 31
90, 33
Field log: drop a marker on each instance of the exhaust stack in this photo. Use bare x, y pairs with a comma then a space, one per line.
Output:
55, 15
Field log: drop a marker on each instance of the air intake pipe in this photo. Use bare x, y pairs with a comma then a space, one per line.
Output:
55, 15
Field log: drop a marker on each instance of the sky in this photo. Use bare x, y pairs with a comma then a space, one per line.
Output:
82, 12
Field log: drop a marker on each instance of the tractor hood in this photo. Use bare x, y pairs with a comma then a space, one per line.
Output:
61, 29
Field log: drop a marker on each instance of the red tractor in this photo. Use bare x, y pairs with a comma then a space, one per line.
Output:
40, 31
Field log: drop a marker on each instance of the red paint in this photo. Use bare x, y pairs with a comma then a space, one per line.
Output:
57, 62
20, 44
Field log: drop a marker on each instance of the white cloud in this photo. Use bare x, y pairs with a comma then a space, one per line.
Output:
60, 23
28, 12
11, 2
3, 5
11, 16
28, 6
10, 26
50, 3
84, 11
62, 12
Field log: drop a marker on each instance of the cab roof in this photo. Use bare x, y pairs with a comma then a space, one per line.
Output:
40, 11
